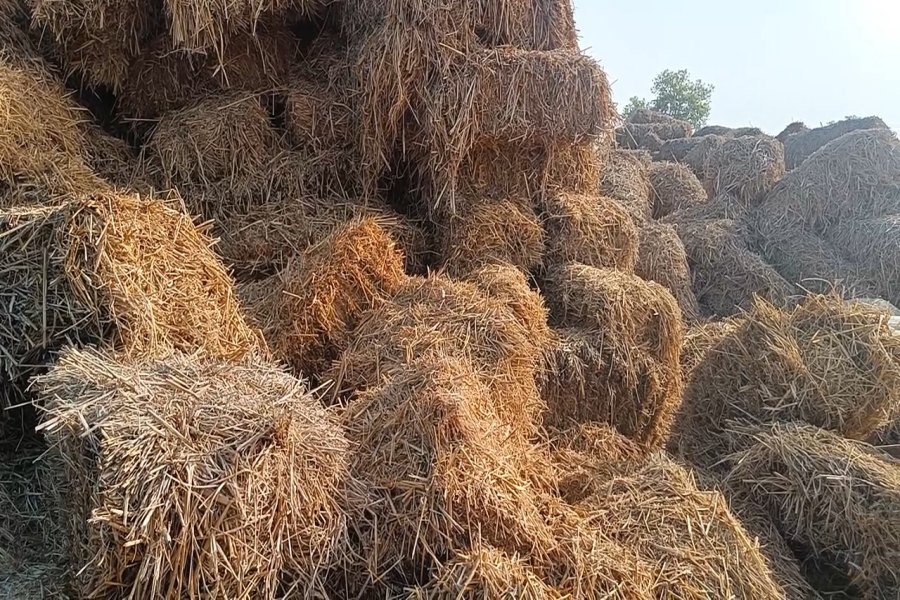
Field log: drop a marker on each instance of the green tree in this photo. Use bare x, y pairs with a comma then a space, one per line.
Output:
677, 95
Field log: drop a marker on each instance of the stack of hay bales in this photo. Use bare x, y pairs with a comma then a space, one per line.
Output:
674, 187
801, 143
810, 225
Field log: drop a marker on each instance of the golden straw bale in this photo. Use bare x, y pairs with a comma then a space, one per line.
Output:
839, 498
662, 258
540, 25
317, 118
626, 179
98, 39
678, 149
439, 317
114, 267
804, 144
502, 95
852, 177
509, 285
721, 206
745, 167
617, 358
589, 229
674, 187
233, 491
700, 339
828, 363
485, 572
688, 537
42, 142
575, 167
220, 138
587, 455
887, 438
793, 129
726, 275
488, 232
262, 238
199, 26
307, 310
441, 472
587, 563
874, 244
811, 262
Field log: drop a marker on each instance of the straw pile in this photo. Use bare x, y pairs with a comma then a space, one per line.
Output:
617, 357
626, 179
827, 363
114, 267
726, 274
490, 232
307, 310
728, 132
874, 244
677, 150
837, 498
744, 167
657, 509
235, 492
673, 187
651, 136
591, 230
510, 286
794, 128
662, 258
800, 145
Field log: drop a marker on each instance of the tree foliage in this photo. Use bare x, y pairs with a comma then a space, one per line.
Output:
677, 95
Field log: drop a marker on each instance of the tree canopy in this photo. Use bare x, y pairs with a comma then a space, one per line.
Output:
676, 94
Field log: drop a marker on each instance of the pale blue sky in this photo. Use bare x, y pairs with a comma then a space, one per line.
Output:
772, 61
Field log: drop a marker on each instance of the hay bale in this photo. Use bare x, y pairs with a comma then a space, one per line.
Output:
234, 492
442, 318
803, 144
873, 244
542, 25
617, 356
260, 239
119, 268
226, 138
462, 108
697, 157
509, 285
838, 498
646, 116
852, 177
656, 509
721, 206
485, 572
827, 363
33, 545
792, 129
651, 136
42, 143
726, 275
662, 258
811, 262
589, 229
673, 187
713, 130
489, 232
745, 167
307, 310
677, 150
431, 436
587, 455
626, 179
700, 339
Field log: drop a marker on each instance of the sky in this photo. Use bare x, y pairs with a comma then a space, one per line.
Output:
771, 61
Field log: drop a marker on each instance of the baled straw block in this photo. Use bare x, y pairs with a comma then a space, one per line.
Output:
662, 258
626, 179
744, 167
674, 187
828, 363
837, 497
189, 478
804, 142
589, 229
874, 245
308, 310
